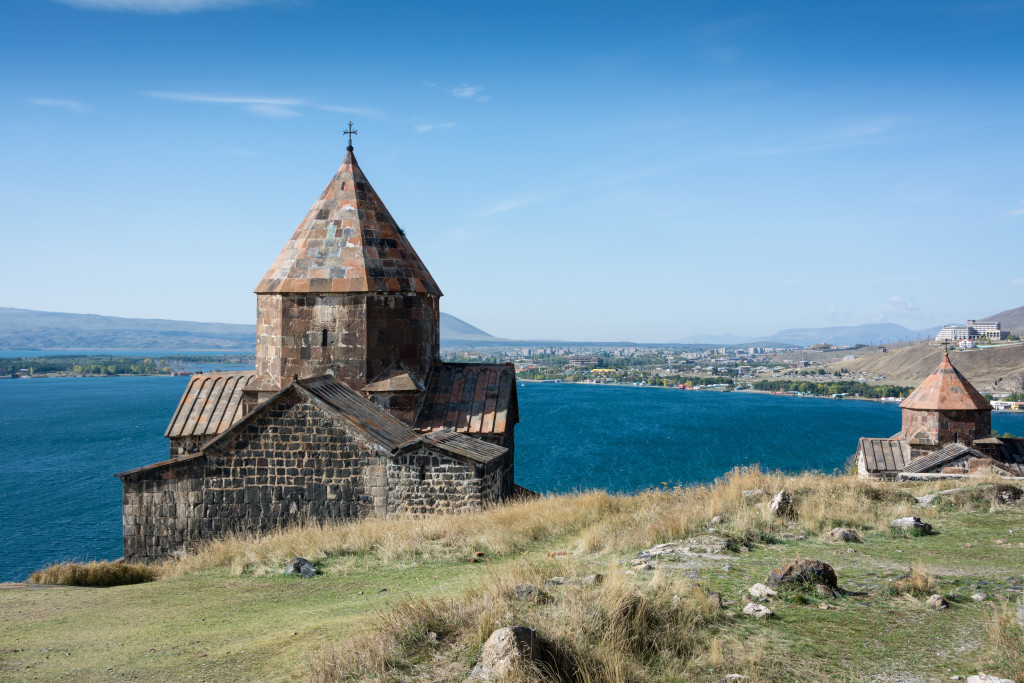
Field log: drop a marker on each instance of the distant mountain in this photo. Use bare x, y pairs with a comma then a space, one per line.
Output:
703, 338
26, 330
872, 333
454, 329
1010, 321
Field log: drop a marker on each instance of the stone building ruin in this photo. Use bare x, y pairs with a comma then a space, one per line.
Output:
350, 411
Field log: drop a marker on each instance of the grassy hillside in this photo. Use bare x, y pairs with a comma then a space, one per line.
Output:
910, 365
398, 600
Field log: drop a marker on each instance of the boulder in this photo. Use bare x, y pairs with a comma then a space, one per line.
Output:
300, 566
762, 592
592, 580
715, 600
757, 611
911, 524
986, 678
844, 535
526, 590
730, 678
803, 571
555, 581
754, 493
937, 601
782, 504
507, 651
978, 597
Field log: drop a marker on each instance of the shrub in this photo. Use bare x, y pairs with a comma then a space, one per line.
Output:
96, 574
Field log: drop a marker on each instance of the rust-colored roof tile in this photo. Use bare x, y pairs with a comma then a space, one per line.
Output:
473, 398
946, 389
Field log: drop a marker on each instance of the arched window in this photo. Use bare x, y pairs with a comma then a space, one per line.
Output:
323, 338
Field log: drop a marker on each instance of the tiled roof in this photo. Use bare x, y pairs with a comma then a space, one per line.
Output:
460, 445
475, 398
396, 379
211, 403
946, 389
940, 457
348, 242
1012, 454
884, 455
366, 416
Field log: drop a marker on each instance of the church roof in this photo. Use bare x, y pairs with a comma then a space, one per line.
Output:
212, 402
348, 242
884, 455
476, 398
461, 446
946, 389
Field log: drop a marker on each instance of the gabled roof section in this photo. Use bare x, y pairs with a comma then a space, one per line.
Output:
941, 457
397, 379
211, 403
946, 389
457, 445
348, 242
364, 415
884, 455
473, 398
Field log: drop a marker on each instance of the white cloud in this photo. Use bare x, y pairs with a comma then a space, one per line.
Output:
902, 304
70, 105
275, 107
1016, 282
159, 6
1019, 211
469, 92
427, 127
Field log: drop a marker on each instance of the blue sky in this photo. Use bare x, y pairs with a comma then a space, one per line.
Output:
566, 170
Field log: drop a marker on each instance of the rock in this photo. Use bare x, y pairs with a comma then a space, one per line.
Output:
754, 493
729, 678
717, 519
758, 611
803, 571
555, 581
824, 605
978, 597
986, 678
937, 601
844, 535
782, 504
301, 567
762, 592
911, 524
593, 579
715, 600
824, 591
526, 590
505, 652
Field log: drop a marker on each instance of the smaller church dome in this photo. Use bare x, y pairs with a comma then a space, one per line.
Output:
946, 389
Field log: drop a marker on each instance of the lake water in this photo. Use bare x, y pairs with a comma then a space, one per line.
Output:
62, 439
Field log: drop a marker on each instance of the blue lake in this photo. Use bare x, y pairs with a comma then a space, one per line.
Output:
62, 439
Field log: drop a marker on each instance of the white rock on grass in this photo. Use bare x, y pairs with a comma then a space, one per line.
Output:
762, 592
937, 601
753, 609
986, 678
782, 504
505, 653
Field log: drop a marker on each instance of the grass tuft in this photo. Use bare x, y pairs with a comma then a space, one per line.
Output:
96, 574
1005, 634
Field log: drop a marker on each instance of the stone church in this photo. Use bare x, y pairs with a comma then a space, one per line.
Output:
349, 413
947, 432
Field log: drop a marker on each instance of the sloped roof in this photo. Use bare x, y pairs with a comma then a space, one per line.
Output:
396, 379
212, 402
939, 458
475, 398
946, 389
884, 455
348, 242
459, 445
366, 416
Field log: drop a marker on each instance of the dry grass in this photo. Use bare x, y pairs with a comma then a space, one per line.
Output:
591, 521
613, 631
1005, 632
918, 582
96, 574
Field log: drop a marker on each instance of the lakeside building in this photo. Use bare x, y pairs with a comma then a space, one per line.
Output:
947, 432
972, 331
350, 411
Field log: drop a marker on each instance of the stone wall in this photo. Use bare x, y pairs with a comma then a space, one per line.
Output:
948, 426
355, 336
294, 461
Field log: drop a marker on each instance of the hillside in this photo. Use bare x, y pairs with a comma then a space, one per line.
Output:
873, 333
27, 330
1012, 320
1000, 368
397, 600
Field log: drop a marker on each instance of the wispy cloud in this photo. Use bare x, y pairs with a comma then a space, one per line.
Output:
70, 105
469, 92
275, 107
160, 6
864, 132
899, 303
1019, 211
427, 127
1016, 282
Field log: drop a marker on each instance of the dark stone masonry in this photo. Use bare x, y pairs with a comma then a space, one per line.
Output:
349, 414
